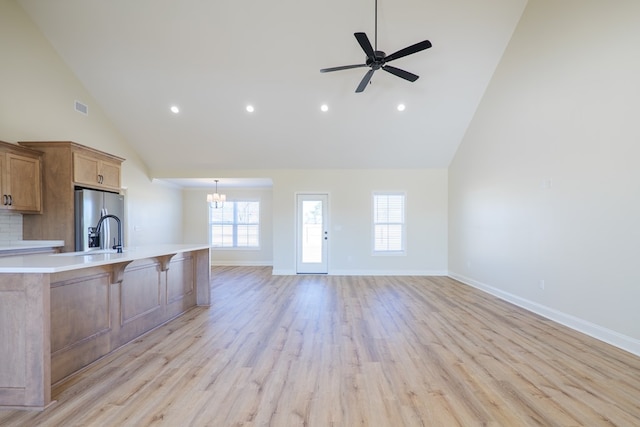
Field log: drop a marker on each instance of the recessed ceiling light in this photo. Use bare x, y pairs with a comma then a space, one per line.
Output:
250, 108
175, 109
401, 107
324, 108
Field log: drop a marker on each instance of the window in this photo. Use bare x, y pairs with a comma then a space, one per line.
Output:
235, 225
388, 223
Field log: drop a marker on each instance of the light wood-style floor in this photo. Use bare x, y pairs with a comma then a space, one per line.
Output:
350, 351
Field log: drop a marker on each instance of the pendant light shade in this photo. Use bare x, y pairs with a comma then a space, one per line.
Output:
216, 198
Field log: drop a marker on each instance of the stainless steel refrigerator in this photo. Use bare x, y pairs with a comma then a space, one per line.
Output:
90, 206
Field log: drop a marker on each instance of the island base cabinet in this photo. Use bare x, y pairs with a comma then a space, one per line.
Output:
82, 308
56, 323
95, 311
152, 293
25, 370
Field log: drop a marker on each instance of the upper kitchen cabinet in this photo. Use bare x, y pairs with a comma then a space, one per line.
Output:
65, 166
96, 171
20, 179
89, 167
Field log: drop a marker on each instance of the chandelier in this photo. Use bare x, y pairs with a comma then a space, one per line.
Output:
216, 199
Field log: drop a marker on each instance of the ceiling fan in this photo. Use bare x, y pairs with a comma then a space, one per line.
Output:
377, 59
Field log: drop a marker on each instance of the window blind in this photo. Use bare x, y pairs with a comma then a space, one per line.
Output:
388, 222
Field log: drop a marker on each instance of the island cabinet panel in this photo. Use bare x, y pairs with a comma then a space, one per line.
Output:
80, 319
141, 302
181, 286
25, 370
13, 338
141, 291
153, 292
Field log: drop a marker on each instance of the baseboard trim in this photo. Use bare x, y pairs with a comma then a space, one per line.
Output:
223, 263
277, 272
598, 332
388, 273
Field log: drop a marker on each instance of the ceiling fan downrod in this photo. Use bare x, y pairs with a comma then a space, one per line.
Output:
375, 28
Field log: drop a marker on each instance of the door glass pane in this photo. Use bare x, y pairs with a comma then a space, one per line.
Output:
312, 231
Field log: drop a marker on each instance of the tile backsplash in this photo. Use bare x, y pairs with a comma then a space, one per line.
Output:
10, 226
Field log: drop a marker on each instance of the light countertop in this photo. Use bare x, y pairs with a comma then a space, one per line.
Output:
54, 263
30, 244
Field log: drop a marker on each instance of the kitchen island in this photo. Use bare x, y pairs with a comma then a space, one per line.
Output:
61, 312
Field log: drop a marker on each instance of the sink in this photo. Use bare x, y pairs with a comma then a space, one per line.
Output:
89, 253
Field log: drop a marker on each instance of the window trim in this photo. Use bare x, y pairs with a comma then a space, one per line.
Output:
400, 252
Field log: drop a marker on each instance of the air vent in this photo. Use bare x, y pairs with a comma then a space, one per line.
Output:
82, 108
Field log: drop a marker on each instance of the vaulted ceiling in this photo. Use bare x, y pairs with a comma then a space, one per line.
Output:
212, 58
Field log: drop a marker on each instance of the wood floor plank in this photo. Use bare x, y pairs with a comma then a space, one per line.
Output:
350, 351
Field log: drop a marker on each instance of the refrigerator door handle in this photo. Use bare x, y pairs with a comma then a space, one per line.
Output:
106, 227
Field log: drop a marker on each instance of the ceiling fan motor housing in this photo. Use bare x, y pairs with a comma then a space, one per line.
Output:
377, 61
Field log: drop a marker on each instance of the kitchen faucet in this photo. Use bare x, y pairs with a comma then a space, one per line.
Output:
118, 246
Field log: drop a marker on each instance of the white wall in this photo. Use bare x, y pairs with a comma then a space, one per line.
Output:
546, 183
350, 238
37, 94
350, 216
196, 224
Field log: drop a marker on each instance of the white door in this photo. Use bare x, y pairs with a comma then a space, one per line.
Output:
312, 233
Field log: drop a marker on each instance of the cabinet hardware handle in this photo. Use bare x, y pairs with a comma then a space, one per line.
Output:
5, 199
10, 200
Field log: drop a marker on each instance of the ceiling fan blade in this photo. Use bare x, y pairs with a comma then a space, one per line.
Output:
365, 44
365, 81
344, 67
400, 73
408, 50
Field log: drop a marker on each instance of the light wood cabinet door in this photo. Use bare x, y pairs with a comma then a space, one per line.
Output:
85, 169
110, 174
94, 172
21, 183
3, 172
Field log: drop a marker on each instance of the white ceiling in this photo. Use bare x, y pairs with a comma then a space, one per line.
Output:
213, 57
